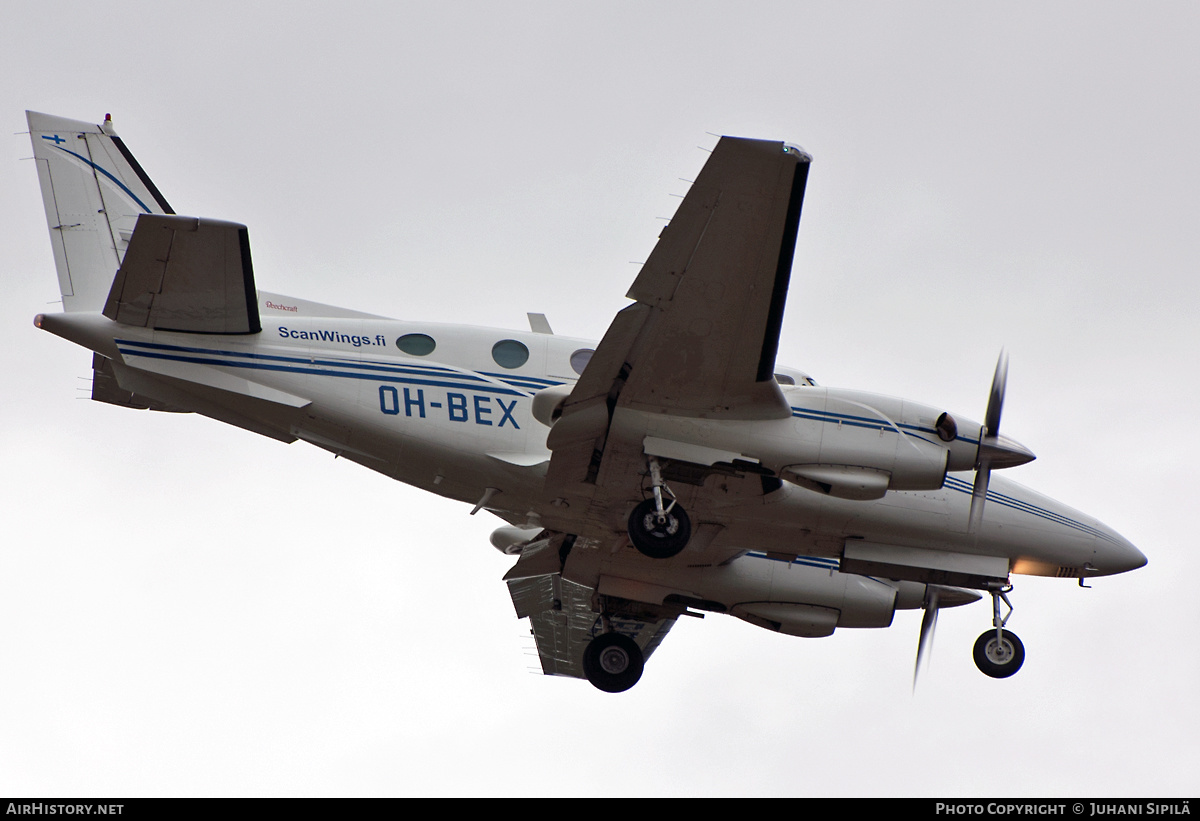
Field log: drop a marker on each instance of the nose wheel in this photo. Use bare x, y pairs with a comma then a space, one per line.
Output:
998, 652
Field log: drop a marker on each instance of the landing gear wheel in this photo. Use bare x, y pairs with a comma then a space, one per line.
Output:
999, 658
613, 662
659, 537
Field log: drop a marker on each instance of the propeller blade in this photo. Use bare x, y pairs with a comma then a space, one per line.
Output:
996, 397
988, 440
928, 626
979, 496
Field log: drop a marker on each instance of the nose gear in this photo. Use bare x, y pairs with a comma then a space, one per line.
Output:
999, 653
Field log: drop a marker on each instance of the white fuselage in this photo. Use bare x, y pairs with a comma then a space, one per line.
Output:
458, 422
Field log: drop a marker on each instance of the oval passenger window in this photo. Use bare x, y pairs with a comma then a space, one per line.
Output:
416, 344
509, 353
580, 359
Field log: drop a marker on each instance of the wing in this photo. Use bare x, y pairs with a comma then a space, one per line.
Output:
701, 338
561, 615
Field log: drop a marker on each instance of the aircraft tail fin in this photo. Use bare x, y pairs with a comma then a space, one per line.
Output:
93, 190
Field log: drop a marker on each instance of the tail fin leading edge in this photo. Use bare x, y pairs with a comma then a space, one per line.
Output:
93, 190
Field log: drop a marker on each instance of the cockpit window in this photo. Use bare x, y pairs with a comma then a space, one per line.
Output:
784, 379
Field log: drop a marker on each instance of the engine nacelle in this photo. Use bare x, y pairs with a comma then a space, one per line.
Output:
512, 540
804, 603
866, 444
848, 444
548, 403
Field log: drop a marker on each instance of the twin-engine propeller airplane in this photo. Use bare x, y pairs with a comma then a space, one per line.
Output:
672, 469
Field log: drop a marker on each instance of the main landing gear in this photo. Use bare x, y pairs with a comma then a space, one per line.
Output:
998, 652
613, 662
656, 529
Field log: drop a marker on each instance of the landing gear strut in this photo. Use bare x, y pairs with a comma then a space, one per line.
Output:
613, 662
656, 529
998, 652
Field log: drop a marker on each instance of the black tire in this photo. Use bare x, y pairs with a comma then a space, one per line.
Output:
999, 659
659, 540
613, 662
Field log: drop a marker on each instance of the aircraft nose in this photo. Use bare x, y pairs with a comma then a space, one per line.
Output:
1118, 555
1132, 558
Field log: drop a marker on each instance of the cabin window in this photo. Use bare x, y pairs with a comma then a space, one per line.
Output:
416, 344
580, 358
509, 353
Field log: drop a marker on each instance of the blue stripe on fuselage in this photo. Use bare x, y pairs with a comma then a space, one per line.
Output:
433, 376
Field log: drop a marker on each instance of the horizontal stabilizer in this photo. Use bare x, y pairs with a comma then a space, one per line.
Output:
200, 373
105, 388
170, 393
186, 274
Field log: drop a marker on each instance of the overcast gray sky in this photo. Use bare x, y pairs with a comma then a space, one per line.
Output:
190, 610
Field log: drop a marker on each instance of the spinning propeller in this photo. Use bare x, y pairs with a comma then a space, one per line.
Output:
937, 597
928, 625
995, 451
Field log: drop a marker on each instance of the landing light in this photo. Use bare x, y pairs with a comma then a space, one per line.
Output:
37, 320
